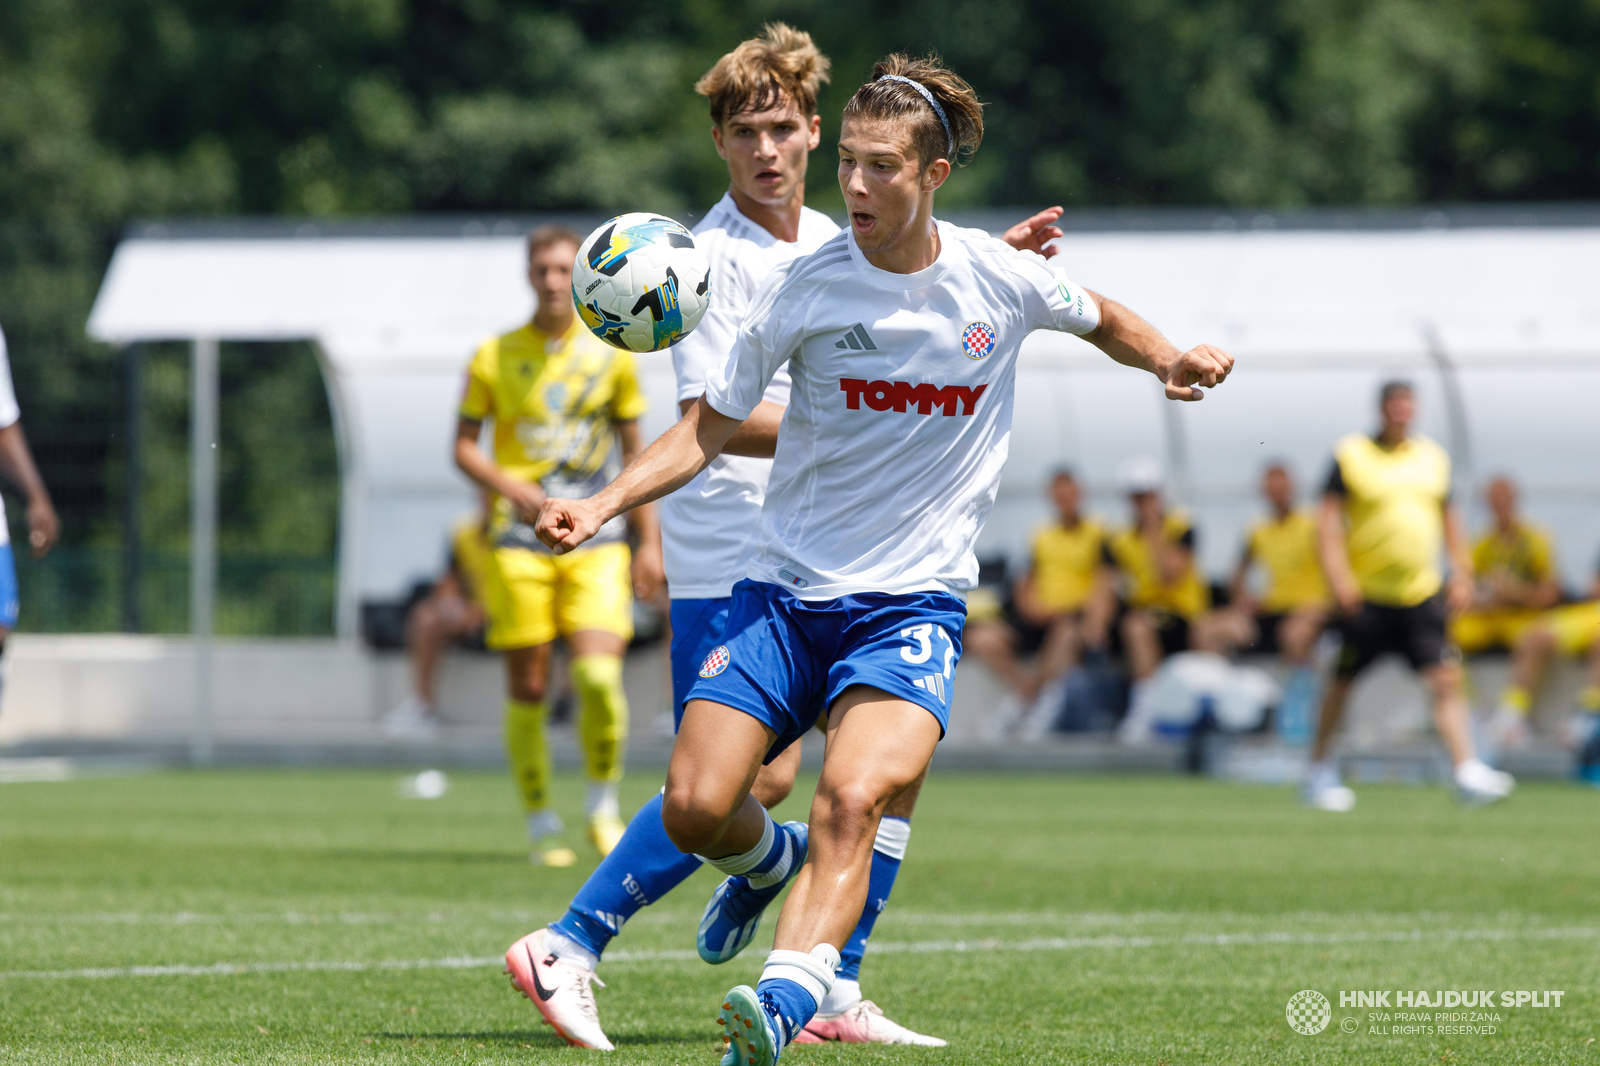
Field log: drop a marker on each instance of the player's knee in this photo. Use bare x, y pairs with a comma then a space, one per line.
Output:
847, 806
1137, 627
1446, 679
527, 689
692, 818
772, 789
422, 619
1540, 640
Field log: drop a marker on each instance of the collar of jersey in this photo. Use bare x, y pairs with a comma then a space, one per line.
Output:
951, 251
541, 340
761, 236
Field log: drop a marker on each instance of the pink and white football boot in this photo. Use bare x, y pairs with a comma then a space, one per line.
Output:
863, 1023
560, 990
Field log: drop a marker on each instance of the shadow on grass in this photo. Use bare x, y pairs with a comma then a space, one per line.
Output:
515, 1038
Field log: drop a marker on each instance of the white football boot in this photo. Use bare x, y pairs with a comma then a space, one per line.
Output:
1478, 784
1324, 791
560, 989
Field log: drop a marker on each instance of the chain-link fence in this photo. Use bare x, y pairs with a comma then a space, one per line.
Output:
77, 590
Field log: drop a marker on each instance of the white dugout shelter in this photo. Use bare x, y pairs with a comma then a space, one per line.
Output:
1494, 313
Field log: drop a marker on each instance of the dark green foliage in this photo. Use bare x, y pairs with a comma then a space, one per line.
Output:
116, 109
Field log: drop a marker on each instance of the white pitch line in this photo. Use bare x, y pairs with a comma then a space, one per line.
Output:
669, 916
876, 947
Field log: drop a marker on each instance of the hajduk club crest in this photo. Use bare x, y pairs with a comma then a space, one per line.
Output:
977, 340
716, 662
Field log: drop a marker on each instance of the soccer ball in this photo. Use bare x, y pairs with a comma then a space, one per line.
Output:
640, 283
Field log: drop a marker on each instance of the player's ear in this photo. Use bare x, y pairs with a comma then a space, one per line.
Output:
935, 174
716, 137
815, 137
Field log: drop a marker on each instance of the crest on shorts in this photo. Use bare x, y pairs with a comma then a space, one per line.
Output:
716, 662
977, 340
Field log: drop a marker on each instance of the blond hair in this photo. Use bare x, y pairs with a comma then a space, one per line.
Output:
781, 64
882, 99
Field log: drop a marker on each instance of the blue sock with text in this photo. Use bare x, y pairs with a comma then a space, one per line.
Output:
644, 866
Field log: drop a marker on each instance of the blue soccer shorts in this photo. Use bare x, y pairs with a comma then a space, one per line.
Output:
9, 604
783, 660
697, 627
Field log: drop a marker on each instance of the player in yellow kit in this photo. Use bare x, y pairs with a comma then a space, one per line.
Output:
1572, 629
1288, 616
1164, 605
1386, 515
1048, 604
1515, 566
564, 404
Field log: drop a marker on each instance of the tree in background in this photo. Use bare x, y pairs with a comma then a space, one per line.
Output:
116, 109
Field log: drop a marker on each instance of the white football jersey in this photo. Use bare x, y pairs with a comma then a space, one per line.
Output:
899, 416
708, 527
9, 414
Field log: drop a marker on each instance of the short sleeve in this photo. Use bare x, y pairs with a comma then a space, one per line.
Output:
764, 344
1034, 546
627, 399
10, 413
477, 398
1054, 301
698, 355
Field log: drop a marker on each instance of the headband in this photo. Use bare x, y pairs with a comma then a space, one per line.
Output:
949, 138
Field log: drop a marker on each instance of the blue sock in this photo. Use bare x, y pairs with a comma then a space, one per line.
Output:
879, 884
644, 866
789, 1007
792, 986
887, 851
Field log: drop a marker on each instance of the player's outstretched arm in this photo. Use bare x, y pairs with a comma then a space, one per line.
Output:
1132, 341
757, 436
669, 463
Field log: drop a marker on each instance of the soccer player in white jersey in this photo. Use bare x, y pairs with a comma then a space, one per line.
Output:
887, 463
763, 105
16, 463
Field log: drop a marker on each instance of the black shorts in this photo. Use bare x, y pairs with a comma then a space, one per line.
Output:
1172, 629
1030, 638
1267, 626
1419, 634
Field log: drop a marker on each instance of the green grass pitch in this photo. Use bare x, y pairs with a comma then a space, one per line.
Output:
1037, 919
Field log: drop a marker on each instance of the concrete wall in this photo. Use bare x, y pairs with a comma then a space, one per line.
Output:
323, 700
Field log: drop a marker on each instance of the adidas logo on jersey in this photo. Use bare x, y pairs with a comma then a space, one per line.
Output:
857, 340
902, 395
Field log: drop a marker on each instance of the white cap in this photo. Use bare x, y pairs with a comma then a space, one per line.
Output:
1140, 473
